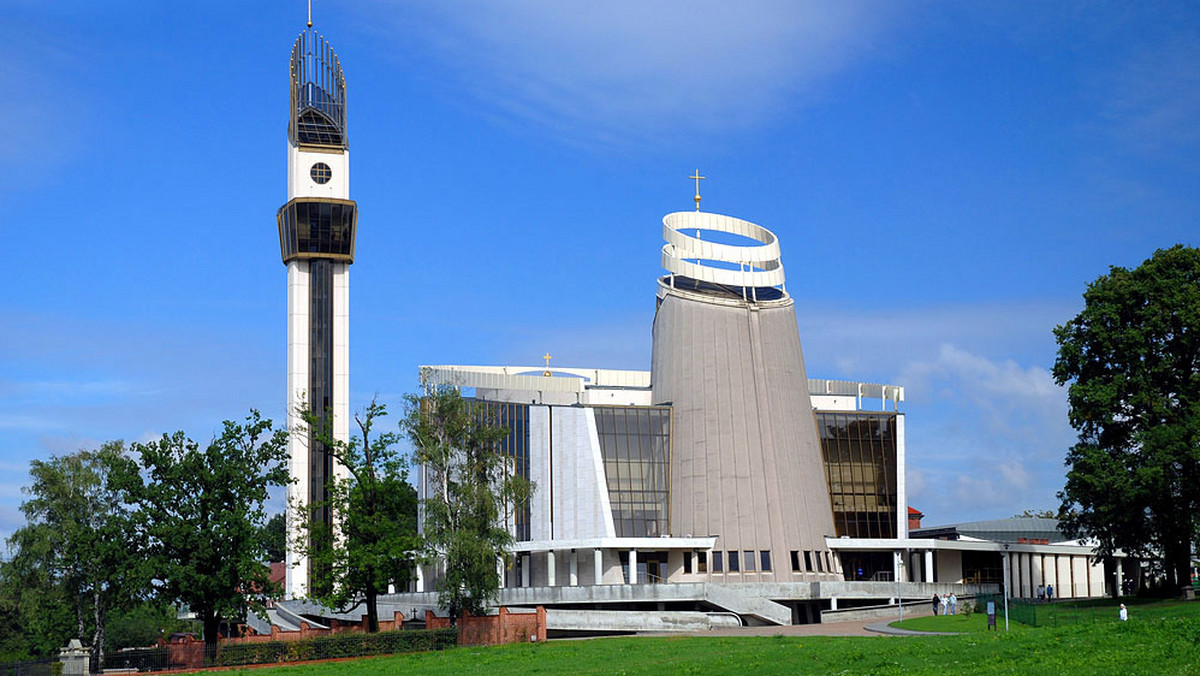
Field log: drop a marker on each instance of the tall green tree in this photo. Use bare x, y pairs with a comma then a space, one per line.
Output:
203, 512
373, 541
80, 544
474, 489
1132, 358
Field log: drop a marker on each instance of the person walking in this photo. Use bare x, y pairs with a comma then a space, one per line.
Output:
1041, 592
936, 603
945, 603
1123, 613
1049, 592
953, 603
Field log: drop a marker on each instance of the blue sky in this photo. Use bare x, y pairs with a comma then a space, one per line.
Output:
945, 179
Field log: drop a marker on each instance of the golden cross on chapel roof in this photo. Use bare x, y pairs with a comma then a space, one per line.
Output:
698, 178
547, 372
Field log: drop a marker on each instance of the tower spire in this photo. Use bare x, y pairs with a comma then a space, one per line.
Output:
310, 13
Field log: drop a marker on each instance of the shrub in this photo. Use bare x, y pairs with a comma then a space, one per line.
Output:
337, 645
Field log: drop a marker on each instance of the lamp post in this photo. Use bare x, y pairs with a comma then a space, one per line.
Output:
1007, 580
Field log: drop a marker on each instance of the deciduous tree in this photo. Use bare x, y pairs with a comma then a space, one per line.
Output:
203, 512
373, 541
473, 490
1132, 358
79, 544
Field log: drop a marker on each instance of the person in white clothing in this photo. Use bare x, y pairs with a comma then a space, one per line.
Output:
953, 603
1123, 614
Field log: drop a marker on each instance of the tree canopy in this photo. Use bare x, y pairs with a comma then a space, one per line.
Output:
78, 551
373, 542
203, 513
473, 490
1132, 358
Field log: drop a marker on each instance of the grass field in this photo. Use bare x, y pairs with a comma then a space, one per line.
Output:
1160, 639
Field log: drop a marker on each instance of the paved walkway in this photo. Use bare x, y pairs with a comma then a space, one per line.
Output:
872, 627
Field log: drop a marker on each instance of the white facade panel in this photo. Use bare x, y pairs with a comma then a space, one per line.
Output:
300, 181
580, 495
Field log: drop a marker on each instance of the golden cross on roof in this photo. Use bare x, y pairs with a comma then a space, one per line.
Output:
547, 371
698, 178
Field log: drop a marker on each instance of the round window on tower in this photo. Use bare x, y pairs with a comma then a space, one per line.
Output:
321, 173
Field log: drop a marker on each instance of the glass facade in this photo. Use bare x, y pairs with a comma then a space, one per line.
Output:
859, 450
320, 382
317, 228
636, 445
514, 418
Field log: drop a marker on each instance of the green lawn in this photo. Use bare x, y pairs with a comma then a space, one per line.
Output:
1163, 641
975, 622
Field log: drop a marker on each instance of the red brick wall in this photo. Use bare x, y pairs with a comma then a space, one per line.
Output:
503, 627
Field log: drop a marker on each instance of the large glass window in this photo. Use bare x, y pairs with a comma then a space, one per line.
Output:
515, 419
312, 228
859, 450
636, 445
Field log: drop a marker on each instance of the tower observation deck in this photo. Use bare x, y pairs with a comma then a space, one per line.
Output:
316, 241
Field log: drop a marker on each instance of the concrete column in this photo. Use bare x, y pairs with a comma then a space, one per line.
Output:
573, 568
525, 560
551, 573
1026, 576
929, 565
897, 565
598, 562
500, 571
833, 603
1120, 590
420, 578
633, 578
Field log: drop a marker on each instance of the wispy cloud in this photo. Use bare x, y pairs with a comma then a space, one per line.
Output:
624, 70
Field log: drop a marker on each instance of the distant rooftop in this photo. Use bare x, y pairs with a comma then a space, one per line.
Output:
1009, 530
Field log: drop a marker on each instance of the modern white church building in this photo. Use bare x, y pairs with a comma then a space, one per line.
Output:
722, 485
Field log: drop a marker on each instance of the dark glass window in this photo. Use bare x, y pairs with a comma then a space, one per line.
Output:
635, 443
314, 127
320, 173
765, 561
514, 418
796, 562
748, 561
701, 562
718, 562
733, 562
687, 563
859, 450
316, 228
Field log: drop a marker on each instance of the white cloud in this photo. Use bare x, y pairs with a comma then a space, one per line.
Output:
630, 69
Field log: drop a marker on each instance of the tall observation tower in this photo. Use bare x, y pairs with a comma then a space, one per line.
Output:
316, 239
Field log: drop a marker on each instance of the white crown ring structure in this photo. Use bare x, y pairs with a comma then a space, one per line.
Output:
747, 266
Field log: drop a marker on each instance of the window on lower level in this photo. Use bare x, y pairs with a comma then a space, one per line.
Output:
701, 562
748, 561
764, 561
718, 563
796, 562
808, 565
687, 563
734, 563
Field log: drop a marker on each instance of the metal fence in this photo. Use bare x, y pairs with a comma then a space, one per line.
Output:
46, 667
